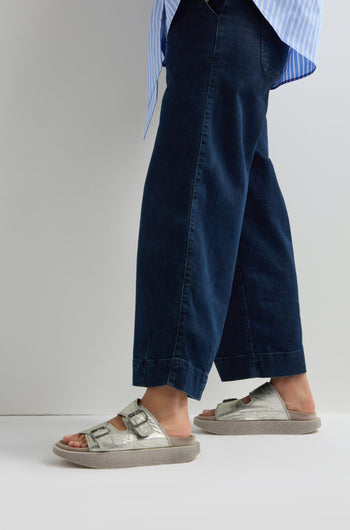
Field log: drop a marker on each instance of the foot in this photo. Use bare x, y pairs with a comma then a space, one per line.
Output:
167, 404
294, 391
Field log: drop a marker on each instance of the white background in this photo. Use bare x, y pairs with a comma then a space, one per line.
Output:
72, 169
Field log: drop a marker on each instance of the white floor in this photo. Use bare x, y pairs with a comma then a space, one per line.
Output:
247, 482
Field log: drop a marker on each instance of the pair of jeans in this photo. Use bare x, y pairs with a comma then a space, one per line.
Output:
215, 279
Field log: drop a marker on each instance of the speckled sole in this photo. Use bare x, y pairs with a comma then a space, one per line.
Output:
301, 423
184, 449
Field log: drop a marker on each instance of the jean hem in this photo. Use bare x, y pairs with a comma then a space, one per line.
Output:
173, 371
273, 364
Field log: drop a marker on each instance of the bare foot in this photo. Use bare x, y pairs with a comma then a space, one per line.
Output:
294, 391
79, 440
167, 404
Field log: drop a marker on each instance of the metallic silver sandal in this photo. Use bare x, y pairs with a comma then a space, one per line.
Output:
266, 413
143, 443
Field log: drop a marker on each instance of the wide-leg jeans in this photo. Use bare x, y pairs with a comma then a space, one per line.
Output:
216, 279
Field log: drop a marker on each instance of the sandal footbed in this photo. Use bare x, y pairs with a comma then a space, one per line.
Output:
176, 441
300, 423
295, 415
177, 453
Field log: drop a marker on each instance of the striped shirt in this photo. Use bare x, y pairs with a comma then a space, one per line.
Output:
297, 22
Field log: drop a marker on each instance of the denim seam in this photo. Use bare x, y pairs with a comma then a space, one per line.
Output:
209, 7
144, 360
191, 216
270, 72
231, 357
206, 373
212, 10
196, 371
252, 353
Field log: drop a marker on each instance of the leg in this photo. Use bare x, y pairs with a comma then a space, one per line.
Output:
194, 198
212, 112
164, 334
262, 335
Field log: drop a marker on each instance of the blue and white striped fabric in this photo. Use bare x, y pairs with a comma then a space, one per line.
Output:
297, 22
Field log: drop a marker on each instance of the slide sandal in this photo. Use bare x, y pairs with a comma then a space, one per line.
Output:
143, 443
266, 413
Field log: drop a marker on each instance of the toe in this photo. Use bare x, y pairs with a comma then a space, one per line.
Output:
208, 412
75, 443
69, 437
82, 441
75, 440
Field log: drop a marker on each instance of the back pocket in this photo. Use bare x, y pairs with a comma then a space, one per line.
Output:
274, 51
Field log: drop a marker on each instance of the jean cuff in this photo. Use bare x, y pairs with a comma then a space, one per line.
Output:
172, 371
234, 367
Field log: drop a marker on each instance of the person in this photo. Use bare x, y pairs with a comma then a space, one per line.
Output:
216, 280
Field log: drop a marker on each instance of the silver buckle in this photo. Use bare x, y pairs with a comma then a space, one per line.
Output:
103, 428
136, 425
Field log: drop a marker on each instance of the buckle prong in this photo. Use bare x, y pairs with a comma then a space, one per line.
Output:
135, 413
104, 428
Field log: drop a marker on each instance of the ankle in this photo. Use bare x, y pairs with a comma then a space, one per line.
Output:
290, 379
170, 407
166, 401
292, 384
295, 392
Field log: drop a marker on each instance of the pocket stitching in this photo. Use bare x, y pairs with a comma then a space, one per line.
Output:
212, 10
264, 64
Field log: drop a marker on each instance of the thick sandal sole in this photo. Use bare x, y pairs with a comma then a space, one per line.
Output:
130, 458
258, 426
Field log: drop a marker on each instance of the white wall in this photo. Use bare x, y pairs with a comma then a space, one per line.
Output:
72, 168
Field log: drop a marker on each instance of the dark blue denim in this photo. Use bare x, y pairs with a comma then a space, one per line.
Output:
216, 279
